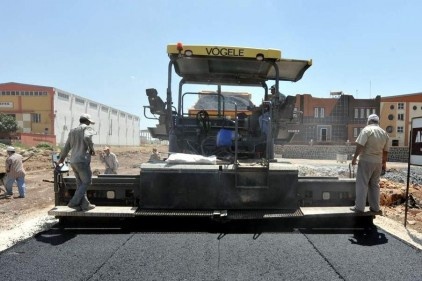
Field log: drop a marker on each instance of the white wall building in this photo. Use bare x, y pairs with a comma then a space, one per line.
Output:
113, 126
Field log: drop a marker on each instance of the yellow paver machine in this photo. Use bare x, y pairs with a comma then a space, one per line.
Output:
221, 162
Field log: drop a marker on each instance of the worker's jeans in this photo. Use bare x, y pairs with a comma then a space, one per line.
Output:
367, 183
83, 175
20, 181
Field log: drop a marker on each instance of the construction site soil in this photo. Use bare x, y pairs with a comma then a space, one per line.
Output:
22, 217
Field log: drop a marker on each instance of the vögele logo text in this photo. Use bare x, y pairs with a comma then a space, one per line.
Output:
225, 52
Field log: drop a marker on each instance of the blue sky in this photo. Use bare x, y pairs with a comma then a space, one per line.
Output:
111, 51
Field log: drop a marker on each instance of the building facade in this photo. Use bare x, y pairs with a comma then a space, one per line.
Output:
396, 116
334, 120
48, 111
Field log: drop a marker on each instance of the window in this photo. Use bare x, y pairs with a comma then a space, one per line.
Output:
415, 107
104, 109
35, 118
114, 112
395, 143
400, 116
392, 106
79, 101
323, 134
399, 129
319, 112
390, 116
362, 113
93, 105
389, 129
63, 96
356, 132
400, 105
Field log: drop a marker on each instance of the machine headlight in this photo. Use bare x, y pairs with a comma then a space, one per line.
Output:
111, 194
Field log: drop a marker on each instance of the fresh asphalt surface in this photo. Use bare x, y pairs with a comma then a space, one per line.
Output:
192, 249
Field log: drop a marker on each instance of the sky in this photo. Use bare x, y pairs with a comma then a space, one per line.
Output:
111, 51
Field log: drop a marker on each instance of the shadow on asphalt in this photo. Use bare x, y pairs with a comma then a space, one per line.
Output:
363, 231
369, 238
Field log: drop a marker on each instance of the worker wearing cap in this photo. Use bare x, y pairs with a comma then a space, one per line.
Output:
80, 142
110, 161
372, 146
15, 172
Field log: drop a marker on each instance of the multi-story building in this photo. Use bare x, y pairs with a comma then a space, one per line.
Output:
396, 116
46, 114
333, 120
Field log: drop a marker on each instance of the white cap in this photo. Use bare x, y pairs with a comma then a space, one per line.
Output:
87, 117
373, 117
10, 148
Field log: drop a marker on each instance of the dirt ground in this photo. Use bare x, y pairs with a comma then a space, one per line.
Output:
40, 195
39, 177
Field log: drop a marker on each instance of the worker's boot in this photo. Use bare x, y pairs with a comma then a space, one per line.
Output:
75, 207
88, 207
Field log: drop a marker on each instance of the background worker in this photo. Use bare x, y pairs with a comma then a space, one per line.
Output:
15, 172
80, 142
155, 156
372, 147
277, 95
110, 161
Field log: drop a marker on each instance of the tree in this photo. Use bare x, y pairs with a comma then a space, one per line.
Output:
7, 124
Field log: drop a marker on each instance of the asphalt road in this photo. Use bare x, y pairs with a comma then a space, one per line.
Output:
200, 250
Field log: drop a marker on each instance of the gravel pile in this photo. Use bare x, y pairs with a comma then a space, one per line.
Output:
400, 175
396, 175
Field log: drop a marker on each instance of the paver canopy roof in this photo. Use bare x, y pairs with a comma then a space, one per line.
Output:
234, 68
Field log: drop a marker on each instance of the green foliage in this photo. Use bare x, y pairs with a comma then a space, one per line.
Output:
7, 124
45, 145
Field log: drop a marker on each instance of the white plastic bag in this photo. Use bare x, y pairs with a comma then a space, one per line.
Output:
181, 158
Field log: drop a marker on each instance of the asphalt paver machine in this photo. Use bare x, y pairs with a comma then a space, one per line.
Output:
221, 162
